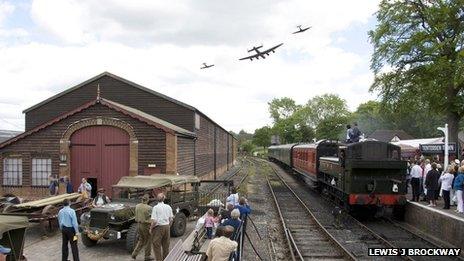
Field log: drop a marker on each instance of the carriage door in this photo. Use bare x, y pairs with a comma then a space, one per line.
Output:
100, 154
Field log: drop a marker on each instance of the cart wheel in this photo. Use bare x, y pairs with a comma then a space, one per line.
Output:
49, 212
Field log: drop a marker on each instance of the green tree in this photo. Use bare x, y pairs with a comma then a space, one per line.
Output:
328, 115
282, 108
262, 137
247, 147
418, 56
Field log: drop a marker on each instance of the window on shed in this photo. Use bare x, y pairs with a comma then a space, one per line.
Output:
12, 172
41, 169
197, 121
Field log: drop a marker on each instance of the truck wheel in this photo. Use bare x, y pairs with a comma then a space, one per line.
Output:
178, 225
131, 237
87, 241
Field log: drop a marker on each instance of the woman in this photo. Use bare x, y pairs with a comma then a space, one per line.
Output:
446, 180
53, 185
458, 186
431, 185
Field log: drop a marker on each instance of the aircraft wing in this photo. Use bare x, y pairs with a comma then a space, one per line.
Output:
272, 48
250, 57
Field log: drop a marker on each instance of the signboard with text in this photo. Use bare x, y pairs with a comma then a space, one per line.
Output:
438, 148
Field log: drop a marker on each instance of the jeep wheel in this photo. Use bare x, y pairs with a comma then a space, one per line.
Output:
87, 241
178, 225
131, 237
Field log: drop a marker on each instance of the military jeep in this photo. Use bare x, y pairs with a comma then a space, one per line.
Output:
116, 220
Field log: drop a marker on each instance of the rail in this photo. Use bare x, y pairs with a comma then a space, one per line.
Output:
295, 252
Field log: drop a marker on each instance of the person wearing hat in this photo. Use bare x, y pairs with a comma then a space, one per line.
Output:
143, 219
101, 199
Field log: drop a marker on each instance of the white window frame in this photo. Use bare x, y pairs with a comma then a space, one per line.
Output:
41, 170
12, 171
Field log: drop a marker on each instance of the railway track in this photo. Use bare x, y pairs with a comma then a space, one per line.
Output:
234, 176
306, 236
358, 236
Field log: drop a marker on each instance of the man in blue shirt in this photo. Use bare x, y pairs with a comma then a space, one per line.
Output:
67, 220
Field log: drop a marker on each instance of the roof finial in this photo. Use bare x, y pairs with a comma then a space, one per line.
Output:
98, 92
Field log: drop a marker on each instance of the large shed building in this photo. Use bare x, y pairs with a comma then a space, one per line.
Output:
108, 127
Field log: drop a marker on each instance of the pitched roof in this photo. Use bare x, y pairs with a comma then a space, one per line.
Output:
134, 113
114, 77
131, 84
388, 135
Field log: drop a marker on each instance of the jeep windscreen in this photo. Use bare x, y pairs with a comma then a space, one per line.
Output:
128, 194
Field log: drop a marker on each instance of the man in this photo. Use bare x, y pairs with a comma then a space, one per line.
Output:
348, 131
142, 217
101, 199
427, 168
53, 185
161, 219
220, 248
233, 197
69, 230
85, 188
4, 251
431, 183
68, 185
355, 133
416, 175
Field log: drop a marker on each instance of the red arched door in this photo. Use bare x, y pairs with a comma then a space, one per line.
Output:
100, 154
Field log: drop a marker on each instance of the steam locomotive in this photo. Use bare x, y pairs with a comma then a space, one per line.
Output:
363, 176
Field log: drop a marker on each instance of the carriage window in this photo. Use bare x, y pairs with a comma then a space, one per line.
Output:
12, 172
41, 169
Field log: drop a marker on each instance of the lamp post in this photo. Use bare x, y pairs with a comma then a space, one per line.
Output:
445, 131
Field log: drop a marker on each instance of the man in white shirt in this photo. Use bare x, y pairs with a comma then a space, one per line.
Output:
161, 219
416, 176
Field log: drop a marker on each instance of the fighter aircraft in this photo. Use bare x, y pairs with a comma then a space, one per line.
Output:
259, 53
301, 30
206, 66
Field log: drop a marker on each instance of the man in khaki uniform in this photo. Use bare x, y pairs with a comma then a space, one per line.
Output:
142, 217
161, 219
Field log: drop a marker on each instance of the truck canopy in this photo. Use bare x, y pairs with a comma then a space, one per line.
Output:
154, 181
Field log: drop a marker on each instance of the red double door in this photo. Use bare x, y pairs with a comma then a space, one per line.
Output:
100, 154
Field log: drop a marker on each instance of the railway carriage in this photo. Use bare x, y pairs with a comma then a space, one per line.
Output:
281, 154
306, 159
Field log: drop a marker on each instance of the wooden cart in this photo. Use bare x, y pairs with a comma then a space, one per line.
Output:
45, 211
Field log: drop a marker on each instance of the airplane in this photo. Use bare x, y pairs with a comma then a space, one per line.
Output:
206, 66
300, 30
259, 53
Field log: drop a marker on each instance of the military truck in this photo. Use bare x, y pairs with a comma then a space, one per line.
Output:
116, 220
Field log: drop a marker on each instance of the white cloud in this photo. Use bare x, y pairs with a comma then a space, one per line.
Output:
161, 45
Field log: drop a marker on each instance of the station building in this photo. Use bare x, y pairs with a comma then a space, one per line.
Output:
108, 127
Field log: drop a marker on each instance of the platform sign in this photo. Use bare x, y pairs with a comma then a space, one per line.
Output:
438, 148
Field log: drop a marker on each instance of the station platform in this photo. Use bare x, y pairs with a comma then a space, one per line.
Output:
443, 225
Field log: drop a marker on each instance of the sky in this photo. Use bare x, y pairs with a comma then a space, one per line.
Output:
47, 46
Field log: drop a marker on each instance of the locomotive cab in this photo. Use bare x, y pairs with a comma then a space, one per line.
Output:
367, 174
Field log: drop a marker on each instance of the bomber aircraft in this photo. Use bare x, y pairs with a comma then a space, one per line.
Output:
205, 66
301, 30
259, 53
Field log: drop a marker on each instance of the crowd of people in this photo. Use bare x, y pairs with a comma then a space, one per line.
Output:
225, 226
429, 180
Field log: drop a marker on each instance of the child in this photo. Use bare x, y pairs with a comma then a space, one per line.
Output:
209, 223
